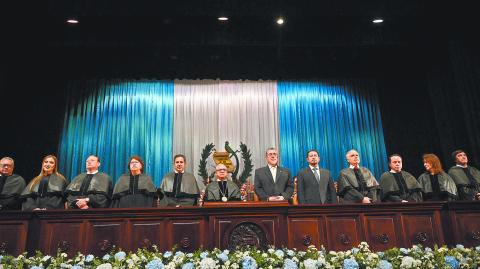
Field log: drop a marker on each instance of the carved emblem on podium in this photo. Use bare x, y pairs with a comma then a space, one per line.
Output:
307, 240
475, 235
382, 238
344, 239
3, 247
105, 245
185, 243
63, 246
146, 243
247, 234
421, 237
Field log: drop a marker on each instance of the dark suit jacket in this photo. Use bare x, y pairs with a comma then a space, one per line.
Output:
266, 187
309, 190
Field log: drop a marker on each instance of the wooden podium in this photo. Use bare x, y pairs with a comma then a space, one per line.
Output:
228, 225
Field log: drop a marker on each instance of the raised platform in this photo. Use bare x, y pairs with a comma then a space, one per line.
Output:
222, 225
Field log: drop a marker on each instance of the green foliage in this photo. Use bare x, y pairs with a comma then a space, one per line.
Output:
247, 163
202, 167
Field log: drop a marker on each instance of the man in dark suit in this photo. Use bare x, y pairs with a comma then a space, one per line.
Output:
314, 184
272, 182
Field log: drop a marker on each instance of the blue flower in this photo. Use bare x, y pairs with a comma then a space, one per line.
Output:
120, 256
155, 264
459, 246
385, 265
350, 264
427, 249
380, 254
404, 251
223, 257
89, 258
452, 262
477, 248
279, 253
355, 250
76, 267
36, 267
203, 255
106, 257
188, 266
1, 257
290, 253
249, 263
167, 254
189, 255
178, 253
289, 264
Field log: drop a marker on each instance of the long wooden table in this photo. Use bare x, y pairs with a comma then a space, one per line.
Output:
260, 224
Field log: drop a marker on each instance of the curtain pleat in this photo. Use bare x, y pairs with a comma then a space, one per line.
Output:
331, 117
115, 120
215, 111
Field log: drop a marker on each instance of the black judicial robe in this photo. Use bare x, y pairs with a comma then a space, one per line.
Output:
467, 188
447, 190
98, 190
185, 193
10, 189
49, 196
350, 190
213, 192
394, 191
134, 191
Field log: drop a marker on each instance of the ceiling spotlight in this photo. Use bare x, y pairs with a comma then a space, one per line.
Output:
72, 21
377, 21
280, 21
223, 18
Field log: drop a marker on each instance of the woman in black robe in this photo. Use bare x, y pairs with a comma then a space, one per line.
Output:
135, 189
45, 191
436, 184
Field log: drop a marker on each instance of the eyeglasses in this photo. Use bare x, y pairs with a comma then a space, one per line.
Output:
6, 165
219, 170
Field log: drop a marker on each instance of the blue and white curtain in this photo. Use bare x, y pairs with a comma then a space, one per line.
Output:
158, 119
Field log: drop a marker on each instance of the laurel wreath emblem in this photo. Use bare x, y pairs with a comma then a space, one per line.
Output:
247, 164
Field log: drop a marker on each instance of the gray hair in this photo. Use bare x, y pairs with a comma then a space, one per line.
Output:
10, 159
350, 151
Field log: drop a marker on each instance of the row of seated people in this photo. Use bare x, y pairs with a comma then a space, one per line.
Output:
314, 185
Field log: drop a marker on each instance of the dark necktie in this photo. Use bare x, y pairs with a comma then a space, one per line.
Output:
3, 179
321, 187
362, 185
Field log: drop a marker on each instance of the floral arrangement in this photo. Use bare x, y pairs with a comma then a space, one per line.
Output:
359, 257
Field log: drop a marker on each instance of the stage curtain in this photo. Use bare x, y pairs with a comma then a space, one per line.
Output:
331, 117
215, 111
117, 119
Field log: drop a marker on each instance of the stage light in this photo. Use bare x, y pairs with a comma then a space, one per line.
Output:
280, 21
377, 20
223, 18
72, 21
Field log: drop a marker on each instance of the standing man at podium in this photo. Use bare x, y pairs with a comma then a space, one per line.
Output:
272, 182
314, 184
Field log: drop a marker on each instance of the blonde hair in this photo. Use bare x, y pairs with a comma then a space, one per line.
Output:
36, 180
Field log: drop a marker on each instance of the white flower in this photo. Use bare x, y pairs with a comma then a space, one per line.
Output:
407, 262
63, 255
134, 257
104, 266
46, 258
310, 264
208, 263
